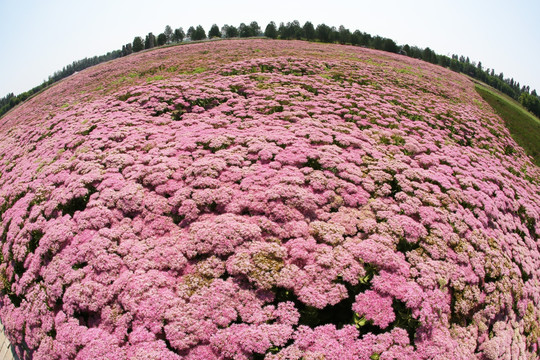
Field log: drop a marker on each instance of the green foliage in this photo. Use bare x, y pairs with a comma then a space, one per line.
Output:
214, 32
154, 78
150, 41
190, 31
168, 33
161, 39
229, 31
524, 127
250, 30
271, 30
344, 35
530, 102
323, 32
178, 35
78, 203
309, 31
292, 30
196, 34
255, 29
89, 130
127, 49
244, 31
35, 237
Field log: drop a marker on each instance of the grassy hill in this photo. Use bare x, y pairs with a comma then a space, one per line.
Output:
259, 199
524, 127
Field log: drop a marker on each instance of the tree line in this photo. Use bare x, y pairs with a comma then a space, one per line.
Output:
295, 31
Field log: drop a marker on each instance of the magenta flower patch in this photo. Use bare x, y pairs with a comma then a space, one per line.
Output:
267, 200
375, 308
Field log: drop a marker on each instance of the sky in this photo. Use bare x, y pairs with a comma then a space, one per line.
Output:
41, 37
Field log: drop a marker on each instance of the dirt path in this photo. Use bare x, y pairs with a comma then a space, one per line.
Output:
6, 352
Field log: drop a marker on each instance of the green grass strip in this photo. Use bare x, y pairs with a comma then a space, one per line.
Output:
524, 127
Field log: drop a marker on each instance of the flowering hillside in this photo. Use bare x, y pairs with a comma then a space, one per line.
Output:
267, 200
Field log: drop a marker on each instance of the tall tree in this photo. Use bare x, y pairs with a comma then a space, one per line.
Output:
138, 44
229, 31
190, 32
271, 30
255, 29
150, 41
198, 33
309, 31
161, 39
407, 49
168, 33
281, 30
365, 40
389, 45
323, 32
355, 37
127, 49
214, 32
344, 35
244, 31
376, 42
179, 35
428, 55
292, 30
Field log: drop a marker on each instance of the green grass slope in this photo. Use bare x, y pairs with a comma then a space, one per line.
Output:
523, 126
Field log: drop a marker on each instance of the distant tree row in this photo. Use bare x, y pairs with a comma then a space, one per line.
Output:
10, 100
289, 31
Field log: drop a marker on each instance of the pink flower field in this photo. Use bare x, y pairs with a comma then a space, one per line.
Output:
270, 200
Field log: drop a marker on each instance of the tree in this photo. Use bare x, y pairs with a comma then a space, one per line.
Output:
455, 65
344, 35
443, 60
271, 30
138, 44
281, 30
179, 35
229, 31
150, 41
214, 32
197, 34
309, 31
255, 30
389, 45
355, 37
127, 49
292, 30
190, 32
407, 49
323, 32
365, 39
161, 39
5, 100
376, 42
168, 33
244, 31
429, 56
530, 102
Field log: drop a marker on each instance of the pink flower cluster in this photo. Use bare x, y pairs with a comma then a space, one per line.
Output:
271, 200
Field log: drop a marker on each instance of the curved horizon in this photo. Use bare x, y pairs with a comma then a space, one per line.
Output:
49, 36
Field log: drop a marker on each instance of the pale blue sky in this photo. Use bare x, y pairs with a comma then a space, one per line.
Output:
40, 37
